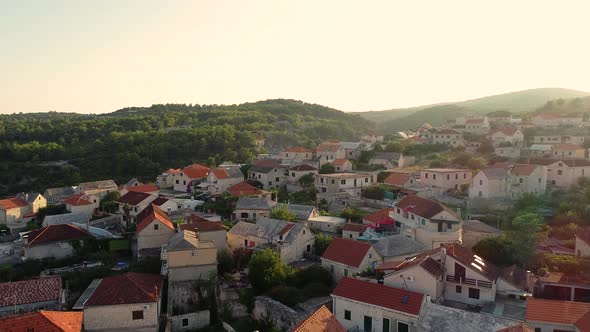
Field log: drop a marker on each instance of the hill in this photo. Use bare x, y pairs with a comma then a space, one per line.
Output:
516, 102
142, 141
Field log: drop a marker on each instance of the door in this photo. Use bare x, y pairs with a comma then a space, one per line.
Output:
368, 324
386, 324
403, 327
459, 272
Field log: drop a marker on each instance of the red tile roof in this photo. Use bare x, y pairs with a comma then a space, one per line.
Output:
144, 188
423, 207
558, 312
568, 147
521, 169
56, 233
448, 131
287, 228
321, 320
303, 167
203, 226
473, 121
339, 162
243, 189
155, 213
133, 198
299, 150
584, 234
44, 321
347, 252
508, 131
220, 173
397, 179
196, 171
380, 295
328, 147
583, 324
126, 288
30, 291
352, 227
468, 258
160, 201
78, 200
379, 215
12, 203
172, 171
424, 259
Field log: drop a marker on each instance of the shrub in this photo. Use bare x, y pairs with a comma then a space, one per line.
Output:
316, 289
287, 295
225, 261
313, 274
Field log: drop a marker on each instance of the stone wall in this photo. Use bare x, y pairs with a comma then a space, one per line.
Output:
190, 321
279, 314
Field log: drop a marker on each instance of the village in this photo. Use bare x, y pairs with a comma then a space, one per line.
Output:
474, 225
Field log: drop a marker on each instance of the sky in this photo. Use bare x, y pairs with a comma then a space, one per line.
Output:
97, 56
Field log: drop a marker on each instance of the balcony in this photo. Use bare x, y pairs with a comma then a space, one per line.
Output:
469, 281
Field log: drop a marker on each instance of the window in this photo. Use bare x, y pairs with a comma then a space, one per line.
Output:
448, 176
458, 289
386, 324
177, 181
449, 226
474, 293
412, 217
293, 174
398, 210
244, 215
350, 236
367, 179
276, 179
332, 268
185, 322
537, 329
280, 237
368, 324
342, 181
156, 227
370, 256
520, 180
346, 272
193, 253
347, 314
481, 182
403, 327
136, 315
539, 180
559, 172
426, 175
456, 176
321, 180
308, 249
465, 175
423, 221
333, 181
434, 176
183, 182
480, 194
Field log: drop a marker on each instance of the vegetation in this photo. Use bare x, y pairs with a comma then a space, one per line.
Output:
327, 169
283, 213
266, 270
353, 214
322, 242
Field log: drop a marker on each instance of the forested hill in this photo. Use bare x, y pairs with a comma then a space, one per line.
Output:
142, 141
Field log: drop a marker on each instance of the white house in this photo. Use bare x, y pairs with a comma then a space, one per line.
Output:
252, 208
220, 179
54, 241
443, 179
555, 139
190, 177
297, 155
525, 178
351, 183
168, 178
568, 151
449, 137
133, 203
296, 172
564, 173
97, 188
330, 150
153, 231
490, 183
366, 306
82, 203
270, 175
583, 242
345, 257
507, 136
342, 165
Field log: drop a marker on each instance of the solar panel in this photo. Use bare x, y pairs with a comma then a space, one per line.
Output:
405, 299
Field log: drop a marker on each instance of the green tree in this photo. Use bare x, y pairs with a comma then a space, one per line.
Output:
524, 236
282, 213
306, 180
266, 270
225, 261
322, 242
327, 169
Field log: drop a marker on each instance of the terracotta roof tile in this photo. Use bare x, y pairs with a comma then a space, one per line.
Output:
56, 233
144, 188
321, 320
383, 296
11, 203
299, 150
423, 207
303, 167
552, 311
339, 162
287, 228
220, 173
44, 321
243, 189
508, 131
379, 215
347, 252
30, 291
126, 288
172, 171
469, 259
352, 227
397, 179
133, 198
160, 201
155, 213
522, 327
196, 171
583, 324
78, 200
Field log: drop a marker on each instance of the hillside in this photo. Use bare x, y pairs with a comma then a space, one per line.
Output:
142, 141
516, 102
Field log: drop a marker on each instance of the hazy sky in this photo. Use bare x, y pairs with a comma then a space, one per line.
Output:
98, 56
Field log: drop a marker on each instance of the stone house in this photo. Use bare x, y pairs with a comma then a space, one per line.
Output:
219, 179
351, 183
206, 230
56, 196
187, 258
296, 172
133, 203
475, 231
449, 137
297, 155
31, 295
555, 139
352, 150
345, 257
252, 208
302, 212
524, 178
53, 241
564, 173
168, 178
330, 150
13, 210
443, 179
326, 224
153, 231
35, 200
507, 135
353, 231
568, 151
366, 306
391, 160
97, 188
270, 175
400, 180
190, 177
139, 187
342, 165
290, 240
82, 203
490, 183
125, 302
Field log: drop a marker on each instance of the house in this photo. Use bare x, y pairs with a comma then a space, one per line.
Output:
490, 183
190, 177
564, 173
188, 258
56, 196
344, 257
132, 203
352, 150
206, 230
244, 189
540, 151
551, 316
583, 242
296, 172
563, 286
153, 230
351, 183
499, 117
269, 175
139, 187
130, 301
221, 178
326, 224
302, 212
427, 221
551, 120
555, 139
510, 136
353, 231
449, 137
320, 320
31, 295
82, 203
54, 241
13, 210
65, 218
342, 165
330, 150
168, 178
97, 188
568, 151
524, 178
391, 160
290, 240
297, 154
400, 180
365, 306
369, 140
475, 231
378, 216
478, 126
396, 247
252, 208
44, 320
443, 179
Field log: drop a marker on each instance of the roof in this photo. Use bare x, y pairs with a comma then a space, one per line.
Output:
398, 179
65, 218
347, 252
474, 121
159, 201
583, 234
563, 278
397, 245
472, 261
268, 228
228, 173
423, 207
243, 189
126, 288
328, 147
448, 131
568, 162
253, 203
445, 170
133, 198
494, 173
383, 296
30, 291
557, 312
172, 171
155, 214
196, 171
321, 320
301, 211
302, 168
183, 240
203, 226
78, 200
56, 233
583, 324
522, 169
299, 150
339, 162
12, 203
345, 175
478, 226
516, 276
423, 259
508, 131
144, 188
352, 227
568, 147
521, 327
61, 191
54, 321
262, 168
28, 197
379, 215
96, 185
